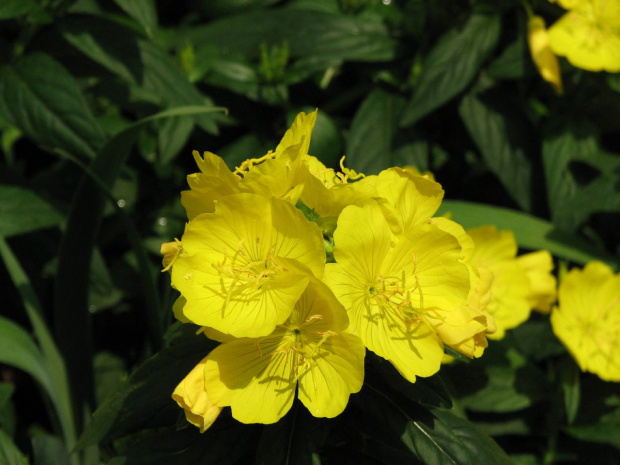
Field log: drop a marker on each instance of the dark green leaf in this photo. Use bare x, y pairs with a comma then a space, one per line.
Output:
102, 291
41, 98
16, 8
295, 439
572, 201
23, 211
370, 139
452, 65
9, 453
109, 374
313, 33
530, 232
569, 376
136, 61
515, 62
504, 139
435, 436
49, 450
606, 430
144, 400
427, 391
18, 349
142, 11
173, 134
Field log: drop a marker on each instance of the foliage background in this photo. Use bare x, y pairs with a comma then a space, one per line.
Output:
101, 104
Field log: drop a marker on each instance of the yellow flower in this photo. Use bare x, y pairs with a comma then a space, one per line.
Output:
589, 35
243, 267
543, 57
396, 289
310, 353
192, 397
275, 174
519, 284
587, 320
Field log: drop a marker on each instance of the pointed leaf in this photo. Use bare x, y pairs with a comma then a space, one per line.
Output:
41, 98
369, 144
142, 11
15, 202
452, 65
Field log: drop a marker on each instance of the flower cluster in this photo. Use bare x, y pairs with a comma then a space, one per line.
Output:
297, 269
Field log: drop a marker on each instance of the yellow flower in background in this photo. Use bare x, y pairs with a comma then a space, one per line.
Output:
587, 319
588, 35
543, 57
309, 353
397, 288
192, 397
242, 268
519, 284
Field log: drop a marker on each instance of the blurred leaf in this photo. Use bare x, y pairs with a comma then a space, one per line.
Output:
530, 232
535, 339
144, 400
23, 211
568, 374
102, 291
49, 450
606, 431
452, 65
109, 374
215, 8
369, 145
16, 8
18, 349
297, 438
52, 375
313, 33
571, 202
7, 410
515, 61
173, 134
507, 389
142, 11
9, 453
504, 139
42, 99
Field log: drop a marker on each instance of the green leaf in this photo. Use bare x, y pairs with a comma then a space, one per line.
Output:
295, 439
71, 297
56, 381
225, 443
144, 400
41, 98
49, 450
142, 11
369, 145
173, 134
18, 349
136, 61
16, 8
452, 65
22, 211
9, 453
435, 436
569, 376
514, 62
110, 372
571, 202
313, 33
426, 391
102, 291
503, 137
530, 232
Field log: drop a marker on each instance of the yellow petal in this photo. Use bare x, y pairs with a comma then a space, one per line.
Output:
587, 320
543, 57
300, 132
192, 397
589, 36
259, 387
238, 268
538, 267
